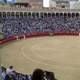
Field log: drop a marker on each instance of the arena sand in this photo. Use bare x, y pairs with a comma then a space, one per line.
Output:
58, 54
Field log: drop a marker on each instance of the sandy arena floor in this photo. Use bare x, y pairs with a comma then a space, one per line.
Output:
58, 54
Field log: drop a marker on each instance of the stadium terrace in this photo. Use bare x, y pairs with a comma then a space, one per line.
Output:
17, 22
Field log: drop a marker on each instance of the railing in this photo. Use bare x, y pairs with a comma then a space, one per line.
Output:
36, 9
36, 34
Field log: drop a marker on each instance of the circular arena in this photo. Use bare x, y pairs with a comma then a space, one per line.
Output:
60, 54
40, 43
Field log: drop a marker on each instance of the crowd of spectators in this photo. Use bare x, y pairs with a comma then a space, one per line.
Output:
14, 26
38, 74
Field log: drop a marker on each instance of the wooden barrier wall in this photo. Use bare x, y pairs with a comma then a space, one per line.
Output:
36, 34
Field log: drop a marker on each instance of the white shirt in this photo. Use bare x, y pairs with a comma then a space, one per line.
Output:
9, 71
3, 75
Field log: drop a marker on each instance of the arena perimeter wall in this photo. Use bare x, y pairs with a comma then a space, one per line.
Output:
36, 34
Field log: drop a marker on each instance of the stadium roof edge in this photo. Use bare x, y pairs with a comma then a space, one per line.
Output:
39, 10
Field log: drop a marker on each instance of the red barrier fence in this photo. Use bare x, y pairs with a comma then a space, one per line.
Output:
67, 34
5, 40
36, 34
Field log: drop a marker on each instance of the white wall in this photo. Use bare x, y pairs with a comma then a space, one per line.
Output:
72, 4
45, 3
75, 4
52, 3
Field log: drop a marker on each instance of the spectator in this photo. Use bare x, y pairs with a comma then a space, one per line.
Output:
50, 75
10, 70
3, 74
38, 74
